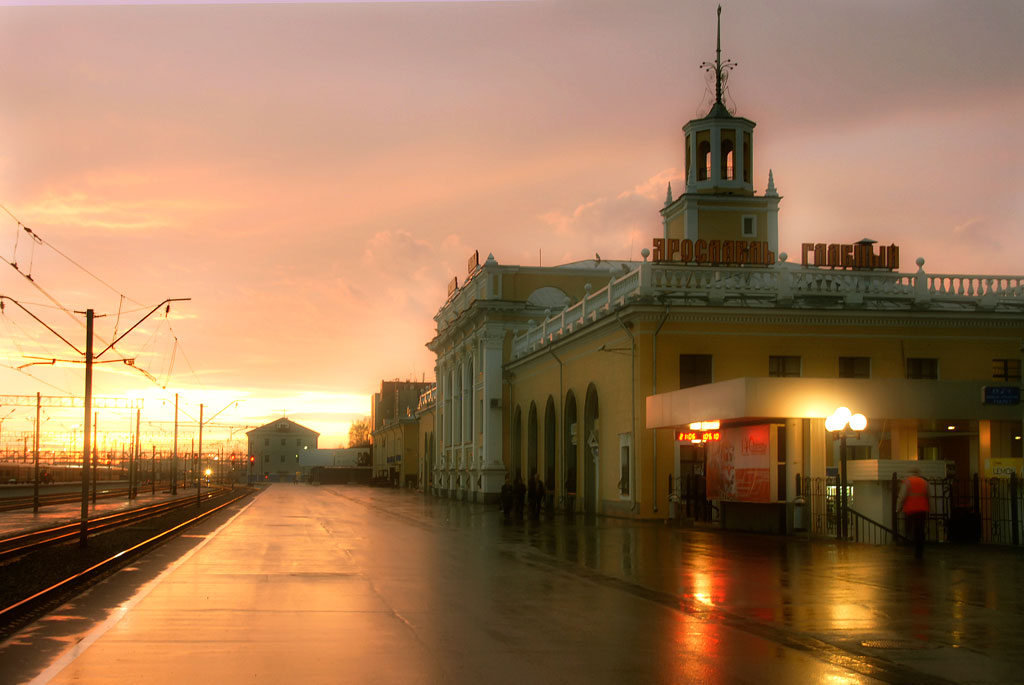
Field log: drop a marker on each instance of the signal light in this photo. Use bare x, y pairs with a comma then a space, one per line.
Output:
252, 458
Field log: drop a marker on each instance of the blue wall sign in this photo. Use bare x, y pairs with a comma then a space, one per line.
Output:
1000, 394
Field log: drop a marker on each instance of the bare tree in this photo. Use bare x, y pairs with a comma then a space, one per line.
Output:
359, 433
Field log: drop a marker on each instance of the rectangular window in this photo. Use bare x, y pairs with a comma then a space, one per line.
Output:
923, 368
298, 442
282, 458
1006, 369
694, 369
855, 367
282, 442
266, 457
749, 226
266, 442
784, 366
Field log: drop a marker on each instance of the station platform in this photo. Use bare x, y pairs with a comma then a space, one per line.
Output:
311, 584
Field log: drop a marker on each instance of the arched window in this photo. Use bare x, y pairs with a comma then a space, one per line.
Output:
728, 172
531, 441
703, 160
468, 403
549, 445
516, 467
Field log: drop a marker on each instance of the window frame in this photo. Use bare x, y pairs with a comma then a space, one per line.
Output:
697, 374
743, 226
922, 368
774, 360
1006, 369
854, 372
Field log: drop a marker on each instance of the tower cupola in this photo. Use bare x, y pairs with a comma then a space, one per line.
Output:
718, 205
719, 146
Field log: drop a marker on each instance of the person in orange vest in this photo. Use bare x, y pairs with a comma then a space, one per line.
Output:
913, 501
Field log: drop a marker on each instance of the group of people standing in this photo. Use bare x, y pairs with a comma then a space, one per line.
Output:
516, 496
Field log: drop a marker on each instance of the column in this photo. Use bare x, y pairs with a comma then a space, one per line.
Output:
737, 156
492, 468
716, 155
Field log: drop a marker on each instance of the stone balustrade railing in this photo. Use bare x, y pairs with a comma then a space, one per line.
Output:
780, 286
427, 398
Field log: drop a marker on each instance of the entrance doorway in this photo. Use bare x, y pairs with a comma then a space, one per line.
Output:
691, 485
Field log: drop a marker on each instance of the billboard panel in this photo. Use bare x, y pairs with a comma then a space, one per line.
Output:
738, 465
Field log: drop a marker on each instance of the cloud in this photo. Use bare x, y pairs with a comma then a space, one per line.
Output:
616, 225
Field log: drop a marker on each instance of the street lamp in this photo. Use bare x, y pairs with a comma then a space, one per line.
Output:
844, 422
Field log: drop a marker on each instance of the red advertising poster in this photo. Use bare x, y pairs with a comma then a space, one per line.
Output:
738, 465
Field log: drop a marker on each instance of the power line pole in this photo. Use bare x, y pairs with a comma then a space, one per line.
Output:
199, 458
95, 454
35, 470
90, 358
87, 430
134, 489
174, 456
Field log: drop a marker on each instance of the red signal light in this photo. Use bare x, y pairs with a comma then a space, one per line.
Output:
252, 458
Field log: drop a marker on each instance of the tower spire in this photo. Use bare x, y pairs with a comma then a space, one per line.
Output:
718, 58
719, 68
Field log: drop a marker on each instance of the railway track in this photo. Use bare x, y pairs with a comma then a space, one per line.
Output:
48, 566
13, 503
14, 546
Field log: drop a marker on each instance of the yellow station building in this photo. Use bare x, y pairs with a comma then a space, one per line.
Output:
719, 357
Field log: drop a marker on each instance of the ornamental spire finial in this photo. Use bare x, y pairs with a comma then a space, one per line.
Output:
719, 68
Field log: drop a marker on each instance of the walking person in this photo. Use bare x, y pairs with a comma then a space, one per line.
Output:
507, 498
913, 501
535, 496
531, 494
541, 493
519, 496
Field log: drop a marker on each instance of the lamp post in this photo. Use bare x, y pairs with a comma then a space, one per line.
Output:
844, 422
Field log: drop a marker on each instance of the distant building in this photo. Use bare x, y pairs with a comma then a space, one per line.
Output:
426, 413
394, 431
286, 451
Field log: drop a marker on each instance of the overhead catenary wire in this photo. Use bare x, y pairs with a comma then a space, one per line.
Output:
63, 391
121, 310
42, 241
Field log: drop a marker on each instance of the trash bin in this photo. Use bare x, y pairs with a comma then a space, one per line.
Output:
798, 514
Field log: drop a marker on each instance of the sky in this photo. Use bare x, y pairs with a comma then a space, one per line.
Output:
312, 175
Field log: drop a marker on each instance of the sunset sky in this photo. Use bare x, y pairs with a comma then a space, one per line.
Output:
312, 175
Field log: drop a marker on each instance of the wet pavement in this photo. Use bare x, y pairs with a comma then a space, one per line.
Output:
351, 584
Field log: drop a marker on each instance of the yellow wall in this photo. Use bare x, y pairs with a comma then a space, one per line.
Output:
740, 345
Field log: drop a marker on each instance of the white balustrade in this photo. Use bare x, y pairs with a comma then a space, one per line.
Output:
783, 285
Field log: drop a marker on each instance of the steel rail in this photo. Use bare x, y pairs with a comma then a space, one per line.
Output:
24, 543
8, 613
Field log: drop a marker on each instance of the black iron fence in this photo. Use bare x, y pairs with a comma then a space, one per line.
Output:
688, 495
972, 509
966, 510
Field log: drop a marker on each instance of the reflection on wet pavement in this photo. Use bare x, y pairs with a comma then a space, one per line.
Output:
310, 583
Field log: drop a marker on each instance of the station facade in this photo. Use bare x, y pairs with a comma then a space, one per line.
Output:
718, 356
